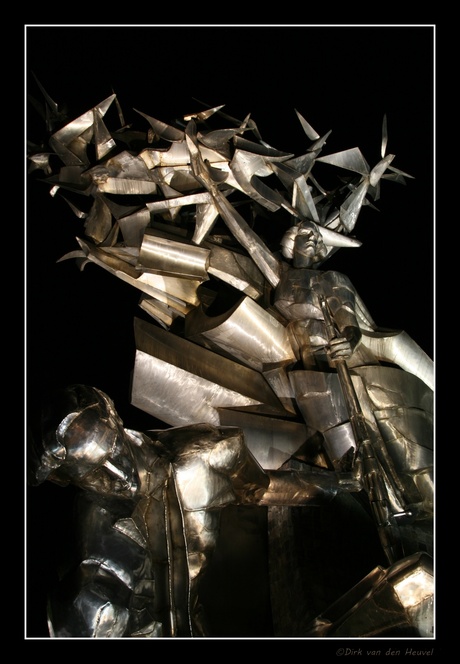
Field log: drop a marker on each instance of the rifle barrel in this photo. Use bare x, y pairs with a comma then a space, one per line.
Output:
374, 484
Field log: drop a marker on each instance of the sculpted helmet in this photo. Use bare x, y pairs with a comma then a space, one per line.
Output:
80, 431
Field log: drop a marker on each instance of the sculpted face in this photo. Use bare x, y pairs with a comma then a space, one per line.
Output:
309, 247
91, 449
114, 474
304, 244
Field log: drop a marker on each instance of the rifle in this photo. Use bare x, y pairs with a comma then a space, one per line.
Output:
371, 470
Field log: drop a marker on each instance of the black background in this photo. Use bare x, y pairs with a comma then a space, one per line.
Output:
340, 78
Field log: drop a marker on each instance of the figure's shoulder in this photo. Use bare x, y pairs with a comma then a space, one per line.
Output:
335, 277
290, 273
180, 443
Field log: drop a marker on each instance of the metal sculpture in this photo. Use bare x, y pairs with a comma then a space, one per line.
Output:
250, 344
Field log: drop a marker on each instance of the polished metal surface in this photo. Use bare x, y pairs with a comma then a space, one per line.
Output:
276, 388
179, 382
169, 487
247, 332
164, 256
405, 589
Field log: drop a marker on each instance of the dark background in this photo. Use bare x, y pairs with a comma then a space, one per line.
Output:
344, 78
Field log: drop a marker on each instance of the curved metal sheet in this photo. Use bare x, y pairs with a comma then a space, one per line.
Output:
247, 332
181, 383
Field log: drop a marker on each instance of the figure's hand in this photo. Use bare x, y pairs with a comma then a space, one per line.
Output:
350, 478
350, 482
339, 348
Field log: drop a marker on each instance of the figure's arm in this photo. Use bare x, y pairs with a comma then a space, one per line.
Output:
254, 485
399, 348
108, 591
89, 602
312, 487
355, 324
215, 468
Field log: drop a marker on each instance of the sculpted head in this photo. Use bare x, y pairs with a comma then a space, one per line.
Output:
85, 443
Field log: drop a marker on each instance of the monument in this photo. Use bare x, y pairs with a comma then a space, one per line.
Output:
277, 389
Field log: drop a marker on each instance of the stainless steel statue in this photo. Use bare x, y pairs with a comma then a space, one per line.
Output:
148, 532
280, 389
